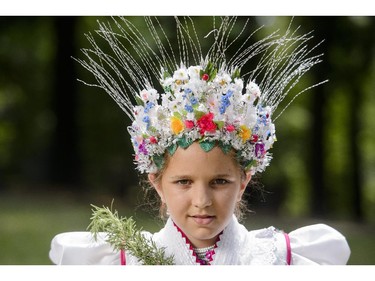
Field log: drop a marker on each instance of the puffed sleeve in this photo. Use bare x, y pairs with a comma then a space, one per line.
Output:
80, 248
318, 244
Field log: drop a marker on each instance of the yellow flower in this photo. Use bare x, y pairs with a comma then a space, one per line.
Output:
244, 133
177, 125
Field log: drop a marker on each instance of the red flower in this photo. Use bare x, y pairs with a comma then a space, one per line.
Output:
153, 140
205, 77
206, 124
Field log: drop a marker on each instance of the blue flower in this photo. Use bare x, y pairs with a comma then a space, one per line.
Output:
225, 102
189, 108
222, 108
193, 100
149, 105
146, 119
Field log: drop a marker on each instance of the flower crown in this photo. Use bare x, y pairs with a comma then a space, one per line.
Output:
204, 104
207, 101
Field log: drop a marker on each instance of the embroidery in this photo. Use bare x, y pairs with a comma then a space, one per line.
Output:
203, 256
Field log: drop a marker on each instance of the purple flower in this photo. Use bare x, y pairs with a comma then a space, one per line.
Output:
259, 149
142, 148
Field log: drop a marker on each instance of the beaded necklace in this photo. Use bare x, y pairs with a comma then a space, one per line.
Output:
204, 255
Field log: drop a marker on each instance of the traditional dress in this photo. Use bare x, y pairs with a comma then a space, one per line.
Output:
314, 244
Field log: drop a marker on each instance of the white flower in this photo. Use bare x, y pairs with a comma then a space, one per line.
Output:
167, 82
144, 94
253, 89
238, 83
194, 72
153, 95
180, 75
222, 79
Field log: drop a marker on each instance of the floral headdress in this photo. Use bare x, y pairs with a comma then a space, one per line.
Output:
201, 98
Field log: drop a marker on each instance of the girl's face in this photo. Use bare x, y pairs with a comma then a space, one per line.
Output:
200, 190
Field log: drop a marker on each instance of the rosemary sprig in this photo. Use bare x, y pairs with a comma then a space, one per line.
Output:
122, 234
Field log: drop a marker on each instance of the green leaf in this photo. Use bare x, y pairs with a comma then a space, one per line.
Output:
236, 74
201, 72
158, 160
220, 124
213, 75
177, 114
207, 145
250, 164
138, 100
198, 114
172, 148
226, 148
166, 74
184, 143
167, 89
152, 129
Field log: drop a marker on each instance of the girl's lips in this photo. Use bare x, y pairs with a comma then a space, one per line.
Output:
203, 220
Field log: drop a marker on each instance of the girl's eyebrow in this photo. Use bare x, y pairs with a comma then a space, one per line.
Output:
179, 177
184, 176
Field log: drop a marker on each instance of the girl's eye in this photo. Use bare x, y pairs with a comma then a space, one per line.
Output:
220, 181
183, 182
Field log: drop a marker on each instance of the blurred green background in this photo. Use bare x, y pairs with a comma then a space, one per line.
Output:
64, 145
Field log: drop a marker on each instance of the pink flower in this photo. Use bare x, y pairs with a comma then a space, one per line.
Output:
189, 124
230, 128
206, 124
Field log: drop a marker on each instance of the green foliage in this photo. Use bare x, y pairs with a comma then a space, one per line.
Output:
122, 234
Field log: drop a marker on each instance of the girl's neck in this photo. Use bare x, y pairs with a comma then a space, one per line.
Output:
199, 245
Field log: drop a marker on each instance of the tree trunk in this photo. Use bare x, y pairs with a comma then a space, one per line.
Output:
65, 165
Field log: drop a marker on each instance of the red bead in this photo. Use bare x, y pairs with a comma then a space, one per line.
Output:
205, 77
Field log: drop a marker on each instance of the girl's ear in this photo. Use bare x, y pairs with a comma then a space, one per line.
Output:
244, 183
157, 185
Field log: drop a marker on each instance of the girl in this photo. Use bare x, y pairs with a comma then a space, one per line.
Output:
200, 141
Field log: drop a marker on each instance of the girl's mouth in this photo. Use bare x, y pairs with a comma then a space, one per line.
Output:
203, 219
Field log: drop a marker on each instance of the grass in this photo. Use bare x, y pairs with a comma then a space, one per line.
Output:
28, 223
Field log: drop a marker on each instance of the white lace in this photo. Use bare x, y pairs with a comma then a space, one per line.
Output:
236, 246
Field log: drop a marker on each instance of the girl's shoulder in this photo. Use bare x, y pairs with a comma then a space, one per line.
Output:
313, 244
82, 248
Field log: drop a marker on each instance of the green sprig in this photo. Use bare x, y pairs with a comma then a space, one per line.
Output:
122, 234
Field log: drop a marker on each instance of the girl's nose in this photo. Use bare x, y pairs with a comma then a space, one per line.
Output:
201, 196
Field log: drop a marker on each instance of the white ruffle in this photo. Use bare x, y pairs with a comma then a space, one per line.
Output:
314, 244
80, 248
318, 244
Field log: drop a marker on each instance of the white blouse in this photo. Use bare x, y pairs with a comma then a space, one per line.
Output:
314, 244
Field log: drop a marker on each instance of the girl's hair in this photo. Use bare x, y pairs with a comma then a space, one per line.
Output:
152, 199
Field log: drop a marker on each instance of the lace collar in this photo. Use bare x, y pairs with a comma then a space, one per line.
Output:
236, 246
